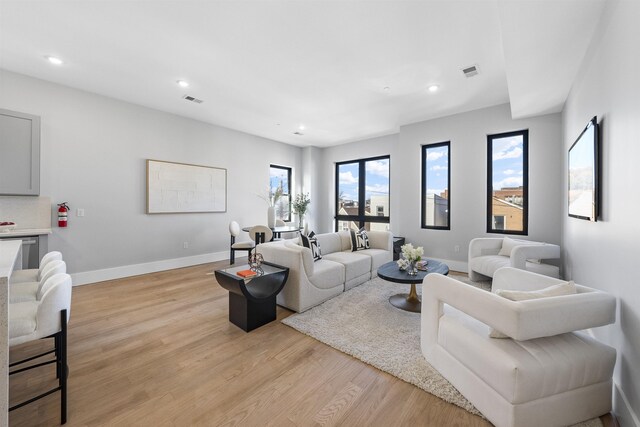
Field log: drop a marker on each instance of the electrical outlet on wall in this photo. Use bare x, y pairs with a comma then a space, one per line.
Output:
80, 212
185, 245
456, 248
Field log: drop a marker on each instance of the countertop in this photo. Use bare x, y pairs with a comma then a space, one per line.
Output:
19, 232
9, 254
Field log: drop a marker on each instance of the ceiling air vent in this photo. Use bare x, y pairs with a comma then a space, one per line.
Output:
470, 71
192, 99
298, 133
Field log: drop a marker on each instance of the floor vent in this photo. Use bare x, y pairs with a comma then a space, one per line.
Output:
470, 71
192, 99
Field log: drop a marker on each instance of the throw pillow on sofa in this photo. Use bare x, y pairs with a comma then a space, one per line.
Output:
311, 241
567, 288
359, 240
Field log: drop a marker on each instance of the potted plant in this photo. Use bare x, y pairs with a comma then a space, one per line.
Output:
300, 206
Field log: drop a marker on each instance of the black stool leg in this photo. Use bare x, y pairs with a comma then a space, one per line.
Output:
56, 343
64, 368
232, 252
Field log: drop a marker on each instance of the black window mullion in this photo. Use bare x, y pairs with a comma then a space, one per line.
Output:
361, 218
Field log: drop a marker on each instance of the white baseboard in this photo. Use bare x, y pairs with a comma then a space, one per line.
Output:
94, 276
460, 266
622, 408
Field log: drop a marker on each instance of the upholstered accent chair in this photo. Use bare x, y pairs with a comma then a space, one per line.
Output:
543, 373
488, 254
234, 231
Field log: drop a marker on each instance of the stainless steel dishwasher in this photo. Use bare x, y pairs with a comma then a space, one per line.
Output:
30, 250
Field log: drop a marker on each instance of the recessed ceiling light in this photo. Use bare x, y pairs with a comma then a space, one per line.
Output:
301, 127
54, 60
182, 83
433, 88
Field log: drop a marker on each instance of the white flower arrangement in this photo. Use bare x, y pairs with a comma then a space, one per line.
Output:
409, 255
412, 254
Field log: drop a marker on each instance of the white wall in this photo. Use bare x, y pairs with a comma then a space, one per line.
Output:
604, 254
93, 156
468, 135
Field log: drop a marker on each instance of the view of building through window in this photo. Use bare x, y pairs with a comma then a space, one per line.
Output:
280, 186
507, 184
435, 186
362, 194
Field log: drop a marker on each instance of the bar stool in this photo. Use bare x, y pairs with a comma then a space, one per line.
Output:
31, 291
35, 274
45, 318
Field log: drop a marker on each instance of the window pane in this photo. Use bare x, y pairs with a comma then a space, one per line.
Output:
280, 185
508, 170
376, 226
362, 193
348, 189
377, 187
435, 191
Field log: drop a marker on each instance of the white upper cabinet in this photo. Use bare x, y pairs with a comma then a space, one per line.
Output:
19, 154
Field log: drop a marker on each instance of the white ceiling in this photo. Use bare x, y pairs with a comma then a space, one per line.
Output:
267, 67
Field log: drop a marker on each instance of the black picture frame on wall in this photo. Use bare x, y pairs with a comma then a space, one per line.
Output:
584, 174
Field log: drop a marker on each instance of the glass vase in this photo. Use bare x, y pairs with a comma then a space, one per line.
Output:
412, 270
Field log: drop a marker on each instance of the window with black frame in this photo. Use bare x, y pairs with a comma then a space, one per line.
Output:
362, 194
280, 190
436, 196
508, 182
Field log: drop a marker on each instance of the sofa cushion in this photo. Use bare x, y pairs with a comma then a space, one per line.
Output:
508, 245
378, 257
355, 263
523, 371
566, 288
327, 274
329, 242
311, 242
488, 264
359, 240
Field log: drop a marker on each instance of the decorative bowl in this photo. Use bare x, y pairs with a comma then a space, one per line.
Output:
6, 226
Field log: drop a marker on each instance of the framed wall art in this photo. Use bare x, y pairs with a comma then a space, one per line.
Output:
183, 188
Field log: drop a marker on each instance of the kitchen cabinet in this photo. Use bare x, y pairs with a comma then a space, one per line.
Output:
19, 154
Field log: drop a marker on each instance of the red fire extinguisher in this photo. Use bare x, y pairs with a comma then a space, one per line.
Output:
63, 211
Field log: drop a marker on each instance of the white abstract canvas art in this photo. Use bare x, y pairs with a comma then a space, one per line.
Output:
182, 188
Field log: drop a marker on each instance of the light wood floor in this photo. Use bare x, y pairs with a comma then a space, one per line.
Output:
159, 350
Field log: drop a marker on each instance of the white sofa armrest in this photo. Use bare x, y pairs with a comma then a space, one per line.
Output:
513, 279
381, 240
522, 253
288, 254
521, 320
484, 246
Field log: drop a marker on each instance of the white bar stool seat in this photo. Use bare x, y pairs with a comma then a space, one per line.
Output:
32, 291
35, 274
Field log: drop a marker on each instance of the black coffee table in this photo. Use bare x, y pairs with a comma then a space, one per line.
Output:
411, 301
252, 302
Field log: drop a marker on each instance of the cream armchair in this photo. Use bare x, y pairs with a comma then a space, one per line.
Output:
545, 374
484, 258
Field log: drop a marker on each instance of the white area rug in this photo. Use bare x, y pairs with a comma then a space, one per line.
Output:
363, 324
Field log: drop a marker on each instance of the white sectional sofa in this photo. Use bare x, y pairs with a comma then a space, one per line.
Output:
311, 283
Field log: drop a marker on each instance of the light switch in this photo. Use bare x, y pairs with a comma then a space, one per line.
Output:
80, 212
